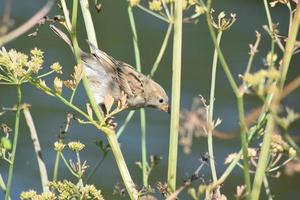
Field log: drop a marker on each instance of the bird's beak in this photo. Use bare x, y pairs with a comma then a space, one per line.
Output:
165, 108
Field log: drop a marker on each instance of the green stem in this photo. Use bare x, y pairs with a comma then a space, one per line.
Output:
142, 111
79, 166
37, 149
15, 141
263, 157
68, 165
162, 50
220, 53
72, 95
56, 166
78, 60
238, 95
135, 39
253, 51
84, 4
152, 13
244, 141
144, 148
129, 184
267, 188
211, 110
270, 23
289, 46
176, 83
66, 14
2, 184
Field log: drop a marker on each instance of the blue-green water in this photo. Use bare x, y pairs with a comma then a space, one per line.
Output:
114, 37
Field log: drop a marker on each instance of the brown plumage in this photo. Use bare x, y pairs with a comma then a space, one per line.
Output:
108, 76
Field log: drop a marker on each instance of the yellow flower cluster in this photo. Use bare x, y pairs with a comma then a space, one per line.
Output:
36, 62
32, 195
59, 146
56, 67
278, 145
64, 190
155, 5
76, 146
262, 80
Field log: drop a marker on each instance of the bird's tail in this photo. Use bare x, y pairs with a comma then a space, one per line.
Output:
62, 35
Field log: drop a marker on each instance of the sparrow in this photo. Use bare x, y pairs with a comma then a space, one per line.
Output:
108, 76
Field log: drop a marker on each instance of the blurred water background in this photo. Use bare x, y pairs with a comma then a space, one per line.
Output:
114, 37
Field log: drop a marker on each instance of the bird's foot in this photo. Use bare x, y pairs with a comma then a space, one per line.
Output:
109, 121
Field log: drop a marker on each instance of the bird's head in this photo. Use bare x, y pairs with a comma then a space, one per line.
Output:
156, 96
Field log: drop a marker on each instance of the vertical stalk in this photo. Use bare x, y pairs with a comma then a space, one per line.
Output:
84, 4
15, 141
244, 141
2, 184
176, 83
267, 188
238, 95
162, 49
142, 110
37, 149
77, 55
133, 193
263, 156
211, 110
270, 23
110, 134
56, 166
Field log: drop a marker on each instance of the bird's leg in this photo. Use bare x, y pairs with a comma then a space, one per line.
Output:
104, 110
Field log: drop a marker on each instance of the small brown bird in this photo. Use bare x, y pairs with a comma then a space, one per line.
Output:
108, 76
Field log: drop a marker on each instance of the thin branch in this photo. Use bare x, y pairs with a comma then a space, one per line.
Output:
27, 25
37, 148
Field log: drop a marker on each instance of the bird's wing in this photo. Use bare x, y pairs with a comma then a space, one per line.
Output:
107, 62
131, 81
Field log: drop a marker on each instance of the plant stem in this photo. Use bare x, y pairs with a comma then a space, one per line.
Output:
152, 13
244, 141
56, 166
15, 141
210, 124
267, 188
2, 184
37, 149
68, 165
289, 46
162, 49
144, 147
66, 14
263, 156
142, 110
220, 54
110, 134
270, 23
176, 83
133, 193
238, 95
84, 4
78, 60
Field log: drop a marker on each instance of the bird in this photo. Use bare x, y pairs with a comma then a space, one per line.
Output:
108, 76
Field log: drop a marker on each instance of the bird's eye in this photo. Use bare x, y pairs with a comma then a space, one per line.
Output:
160, 100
